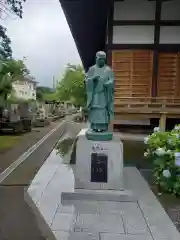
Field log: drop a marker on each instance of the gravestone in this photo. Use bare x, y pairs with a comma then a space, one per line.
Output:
14, 114
24, 110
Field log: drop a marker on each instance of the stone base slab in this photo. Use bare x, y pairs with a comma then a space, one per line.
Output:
95, 220
99, 136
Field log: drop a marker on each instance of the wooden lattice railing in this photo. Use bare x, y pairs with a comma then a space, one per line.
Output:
147, 105
147, 99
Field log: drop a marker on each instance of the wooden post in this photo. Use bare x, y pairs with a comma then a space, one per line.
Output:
111, 128
156, 43
162, 123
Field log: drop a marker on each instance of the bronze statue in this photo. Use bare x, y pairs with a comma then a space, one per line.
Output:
100, 94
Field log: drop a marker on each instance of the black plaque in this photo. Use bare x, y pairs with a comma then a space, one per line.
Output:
99, 167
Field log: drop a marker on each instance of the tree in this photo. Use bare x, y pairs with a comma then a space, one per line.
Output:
45, 89
6, 8
12, 6
50, 96
71, 87
44, 93
5, 86
16, 68
39, 95
5, 48
10, 71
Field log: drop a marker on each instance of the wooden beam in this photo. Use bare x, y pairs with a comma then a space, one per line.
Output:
169, 22
133, 22
156, 44
160, 47
159, 0
147, 0
130, 46
110, 32
109, 57
169, 48
110, 22
145, 22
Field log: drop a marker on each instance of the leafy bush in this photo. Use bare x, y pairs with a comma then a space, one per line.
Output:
163, 148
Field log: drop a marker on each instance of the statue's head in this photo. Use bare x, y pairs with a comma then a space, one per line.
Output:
100, 58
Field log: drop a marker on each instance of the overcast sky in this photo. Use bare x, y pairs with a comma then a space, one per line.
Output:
43, 36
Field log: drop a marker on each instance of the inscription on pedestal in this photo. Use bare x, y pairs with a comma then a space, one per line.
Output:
99, 163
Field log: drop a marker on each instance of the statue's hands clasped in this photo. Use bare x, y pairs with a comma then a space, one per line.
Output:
96, 78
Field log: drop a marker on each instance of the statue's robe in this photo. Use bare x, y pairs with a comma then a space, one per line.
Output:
100, 97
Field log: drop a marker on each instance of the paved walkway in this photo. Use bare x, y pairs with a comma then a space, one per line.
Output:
95, 215
26, 141
17, 220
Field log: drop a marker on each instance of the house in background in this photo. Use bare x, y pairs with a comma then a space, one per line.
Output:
142, 41
25, 89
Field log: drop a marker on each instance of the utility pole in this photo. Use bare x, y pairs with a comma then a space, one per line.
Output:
54, 83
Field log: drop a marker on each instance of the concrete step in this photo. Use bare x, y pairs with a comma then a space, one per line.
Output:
99, 195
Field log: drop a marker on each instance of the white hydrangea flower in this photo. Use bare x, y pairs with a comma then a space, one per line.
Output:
177, 136
169, 141
145, 154
177, 127
160, 151
146, 139
169, 151
156, 129
166, 173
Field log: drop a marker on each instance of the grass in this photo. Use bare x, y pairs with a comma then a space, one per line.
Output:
7, 142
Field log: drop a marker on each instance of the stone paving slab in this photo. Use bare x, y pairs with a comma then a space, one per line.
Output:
63, 222
96, 223
159, 223
133, 219
102, 236
105, 236
75, 236
97, 217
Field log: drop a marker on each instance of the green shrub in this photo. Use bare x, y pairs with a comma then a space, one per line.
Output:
163, 148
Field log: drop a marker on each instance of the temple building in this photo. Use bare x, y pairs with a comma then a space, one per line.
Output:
142, 42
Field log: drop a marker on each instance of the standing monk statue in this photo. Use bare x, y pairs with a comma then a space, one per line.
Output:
100, 98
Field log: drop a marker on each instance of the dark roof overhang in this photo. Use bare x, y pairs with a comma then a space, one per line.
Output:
87, 20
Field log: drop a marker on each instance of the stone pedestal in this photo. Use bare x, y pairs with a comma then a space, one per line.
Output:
99, 164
